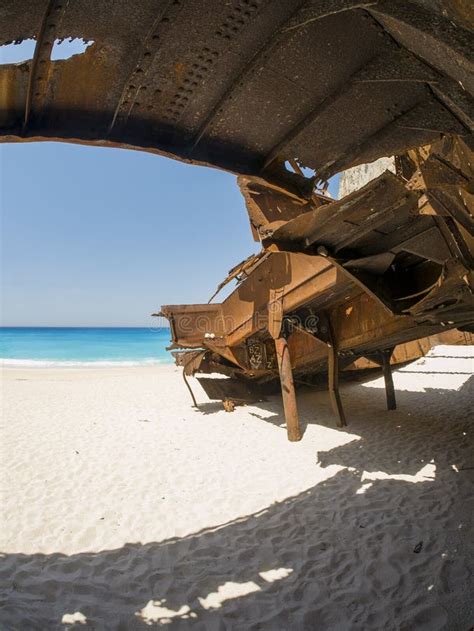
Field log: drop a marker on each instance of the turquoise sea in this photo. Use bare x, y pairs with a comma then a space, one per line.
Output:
41, 346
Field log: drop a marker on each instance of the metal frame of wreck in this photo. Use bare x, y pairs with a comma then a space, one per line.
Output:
324, 347
250, 85
311, 268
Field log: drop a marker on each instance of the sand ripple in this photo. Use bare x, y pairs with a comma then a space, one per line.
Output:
125, 509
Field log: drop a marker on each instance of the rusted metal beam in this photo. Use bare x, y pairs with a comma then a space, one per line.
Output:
382, 358
195, 405
393, 65
143, 61
41, 62
299, 128
388, 379
267, 46
416, 28
210, 79
288, 389
428, 115
326, 8
333, 376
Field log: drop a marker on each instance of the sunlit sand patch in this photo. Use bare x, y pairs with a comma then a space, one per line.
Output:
364, 488
408, 382
154, 611
276, 575
425, 474
74, 618
236, 517
443, 368
445, 351
228, 591
331, 438
231, 590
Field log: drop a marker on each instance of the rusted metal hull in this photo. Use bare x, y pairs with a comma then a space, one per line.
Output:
264, 88
345, 282
243, 85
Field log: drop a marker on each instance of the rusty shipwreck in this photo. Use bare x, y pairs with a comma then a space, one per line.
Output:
340, 281
271, 90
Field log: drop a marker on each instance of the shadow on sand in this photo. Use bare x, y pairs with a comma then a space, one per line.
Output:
383, 544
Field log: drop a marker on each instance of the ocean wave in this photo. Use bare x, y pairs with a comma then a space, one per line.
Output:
99, 363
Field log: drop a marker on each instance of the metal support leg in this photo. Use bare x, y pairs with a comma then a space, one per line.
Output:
287, 389
333, 386
333, 379
195, 405
387, 375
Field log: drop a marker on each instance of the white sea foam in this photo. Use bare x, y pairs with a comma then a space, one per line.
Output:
46, 363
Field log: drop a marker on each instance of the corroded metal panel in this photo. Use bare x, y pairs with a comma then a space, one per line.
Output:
243, 85
378, 268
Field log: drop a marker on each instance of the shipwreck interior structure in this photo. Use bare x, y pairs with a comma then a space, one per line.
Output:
285, 94
338, 281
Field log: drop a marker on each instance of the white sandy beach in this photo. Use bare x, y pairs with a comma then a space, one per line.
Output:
122, 506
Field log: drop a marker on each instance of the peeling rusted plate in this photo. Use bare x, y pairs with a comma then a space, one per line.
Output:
242, 85
190, 361
369, 208
241, 271
275, 311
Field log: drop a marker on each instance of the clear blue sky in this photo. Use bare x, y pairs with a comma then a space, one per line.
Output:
103, 237
95, 236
